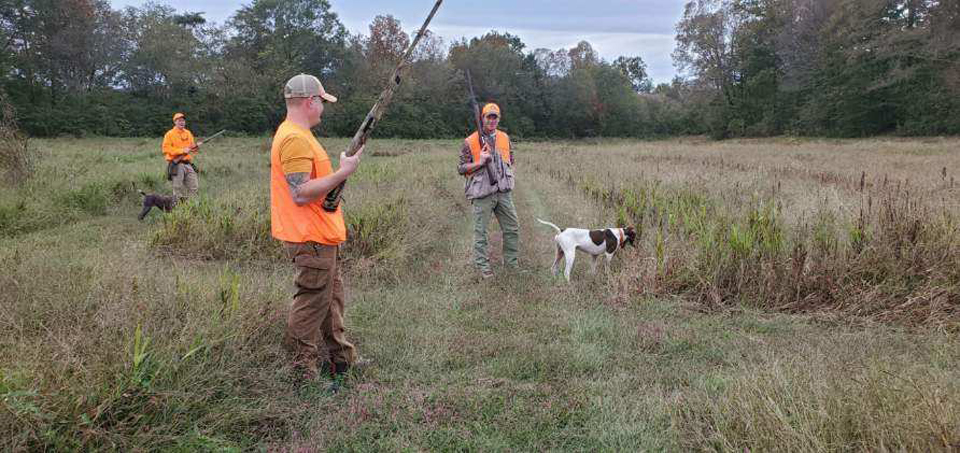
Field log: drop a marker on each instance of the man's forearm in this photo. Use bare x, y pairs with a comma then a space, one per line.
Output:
469, 167
467, 164
179, 156
304, 190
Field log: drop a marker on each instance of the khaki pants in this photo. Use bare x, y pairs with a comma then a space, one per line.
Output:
501, 205
185, 181
315, 329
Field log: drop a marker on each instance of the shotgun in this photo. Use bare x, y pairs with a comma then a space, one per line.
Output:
208, 139
332, 200
172, 166
476, 117
202, 141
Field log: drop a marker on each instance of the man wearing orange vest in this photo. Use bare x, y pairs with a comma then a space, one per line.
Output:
178, 144
488, 168
300, 177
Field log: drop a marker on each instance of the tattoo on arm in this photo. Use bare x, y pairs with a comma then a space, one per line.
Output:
294, 182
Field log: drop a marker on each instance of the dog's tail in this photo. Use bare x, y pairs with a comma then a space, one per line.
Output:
550, 224
142, 193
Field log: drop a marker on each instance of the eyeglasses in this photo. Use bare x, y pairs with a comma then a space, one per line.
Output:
495, 117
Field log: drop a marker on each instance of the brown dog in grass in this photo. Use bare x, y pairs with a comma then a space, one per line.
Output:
150, 201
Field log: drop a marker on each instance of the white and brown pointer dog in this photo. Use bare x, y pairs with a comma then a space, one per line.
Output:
595, 242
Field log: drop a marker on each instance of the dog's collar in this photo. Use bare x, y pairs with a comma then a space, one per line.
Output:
622, 236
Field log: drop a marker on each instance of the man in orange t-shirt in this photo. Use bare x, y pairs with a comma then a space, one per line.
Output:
178, 144
300, 177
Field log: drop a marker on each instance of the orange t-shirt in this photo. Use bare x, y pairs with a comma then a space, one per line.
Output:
174, 141
293, 147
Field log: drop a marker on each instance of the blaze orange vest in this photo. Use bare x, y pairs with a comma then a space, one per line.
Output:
502, 143
309, 222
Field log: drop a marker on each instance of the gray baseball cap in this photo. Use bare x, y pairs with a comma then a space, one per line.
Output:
305, 86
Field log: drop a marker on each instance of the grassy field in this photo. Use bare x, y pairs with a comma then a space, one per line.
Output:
797, 295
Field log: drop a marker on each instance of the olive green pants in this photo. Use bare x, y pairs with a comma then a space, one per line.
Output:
501, 205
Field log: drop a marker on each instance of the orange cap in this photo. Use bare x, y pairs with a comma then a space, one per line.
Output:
490, 108
178, 115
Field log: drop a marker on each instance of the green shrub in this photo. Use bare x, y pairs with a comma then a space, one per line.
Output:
91, 198
217, 229
376, 230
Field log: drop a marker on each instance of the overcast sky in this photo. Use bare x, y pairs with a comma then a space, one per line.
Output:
642, 28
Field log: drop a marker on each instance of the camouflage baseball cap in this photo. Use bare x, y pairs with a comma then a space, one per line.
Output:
305, 86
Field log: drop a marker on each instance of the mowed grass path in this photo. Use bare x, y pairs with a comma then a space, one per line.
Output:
522, 363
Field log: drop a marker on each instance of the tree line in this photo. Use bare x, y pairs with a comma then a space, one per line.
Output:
748, 68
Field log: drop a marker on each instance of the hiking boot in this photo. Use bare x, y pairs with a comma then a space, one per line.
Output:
361, 364
486, 274
341, 371
517, 270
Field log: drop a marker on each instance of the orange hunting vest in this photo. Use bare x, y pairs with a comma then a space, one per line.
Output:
503, 146
309, 222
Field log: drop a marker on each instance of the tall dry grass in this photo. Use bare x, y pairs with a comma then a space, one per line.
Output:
16, 158
166, 334
822, 401
722, 234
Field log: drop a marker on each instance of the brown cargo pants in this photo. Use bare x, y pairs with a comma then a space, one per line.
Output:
315, 329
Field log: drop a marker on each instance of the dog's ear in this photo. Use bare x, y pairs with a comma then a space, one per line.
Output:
631, 235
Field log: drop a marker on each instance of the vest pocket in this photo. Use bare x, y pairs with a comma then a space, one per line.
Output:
508, 174
474, 184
